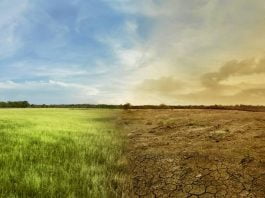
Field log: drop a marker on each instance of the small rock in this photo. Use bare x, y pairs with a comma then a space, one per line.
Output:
244, 193
246, 160
197, 189
151, 131
199, 175
211, 189
170, 160
130, 134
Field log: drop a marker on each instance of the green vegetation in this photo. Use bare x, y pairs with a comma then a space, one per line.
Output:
14, 104
60, 153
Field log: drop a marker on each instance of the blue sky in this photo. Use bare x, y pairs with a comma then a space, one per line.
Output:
65, 51
143, 52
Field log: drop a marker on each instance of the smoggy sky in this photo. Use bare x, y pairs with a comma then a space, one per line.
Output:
138, 51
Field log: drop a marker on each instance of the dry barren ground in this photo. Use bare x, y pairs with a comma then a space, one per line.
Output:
195, 153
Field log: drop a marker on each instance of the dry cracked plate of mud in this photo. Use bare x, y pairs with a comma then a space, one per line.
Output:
195, 153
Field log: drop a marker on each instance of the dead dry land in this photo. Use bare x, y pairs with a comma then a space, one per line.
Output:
195, 153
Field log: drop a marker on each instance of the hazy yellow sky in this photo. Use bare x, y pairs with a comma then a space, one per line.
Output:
201, 52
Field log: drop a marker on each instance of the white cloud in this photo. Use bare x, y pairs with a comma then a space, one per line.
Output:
12, 11
48, 84
83, 89
128, 49
47, 91
11, 15
148, 8
52, 70
8, 85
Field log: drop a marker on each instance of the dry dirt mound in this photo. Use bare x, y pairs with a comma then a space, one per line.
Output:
196, 153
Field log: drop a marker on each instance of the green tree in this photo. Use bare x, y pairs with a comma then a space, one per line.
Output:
127, 106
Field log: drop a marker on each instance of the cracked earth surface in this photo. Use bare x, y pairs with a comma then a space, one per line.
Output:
195, 153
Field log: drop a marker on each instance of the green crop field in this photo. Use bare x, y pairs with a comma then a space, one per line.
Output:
60, 153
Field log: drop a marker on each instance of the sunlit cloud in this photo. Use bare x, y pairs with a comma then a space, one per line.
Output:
235, 82
204, 52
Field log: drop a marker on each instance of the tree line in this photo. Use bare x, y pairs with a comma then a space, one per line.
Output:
128, 106
14, 104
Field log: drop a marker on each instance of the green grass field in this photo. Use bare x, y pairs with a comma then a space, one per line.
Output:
60, 153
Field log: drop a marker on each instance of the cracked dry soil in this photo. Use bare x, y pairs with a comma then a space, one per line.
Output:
195, 153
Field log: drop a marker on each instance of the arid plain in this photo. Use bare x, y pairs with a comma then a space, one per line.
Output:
195, 153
